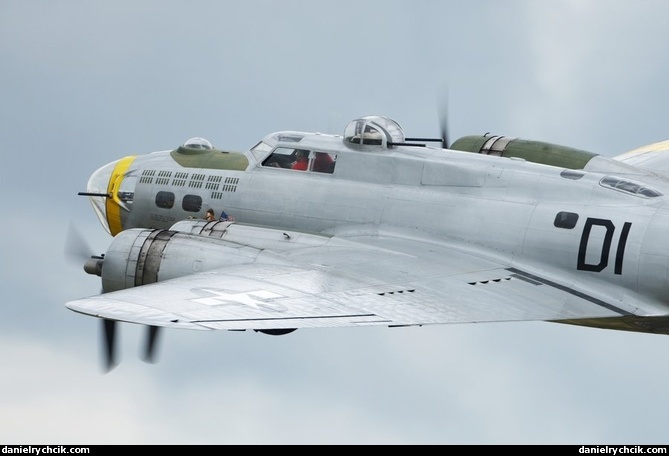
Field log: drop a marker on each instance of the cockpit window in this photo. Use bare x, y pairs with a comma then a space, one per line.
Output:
629, 187
282, 157
301, 160
260, 149
198, 143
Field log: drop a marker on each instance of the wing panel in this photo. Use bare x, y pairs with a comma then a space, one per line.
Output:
653, 157
377, 280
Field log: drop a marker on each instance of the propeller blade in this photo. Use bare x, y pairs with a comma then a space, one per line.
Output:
151, 344
443, 120
109, 344
76, 247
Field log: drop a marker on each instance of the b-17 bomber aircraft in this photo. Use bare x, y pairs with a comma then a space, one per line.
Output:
373, 228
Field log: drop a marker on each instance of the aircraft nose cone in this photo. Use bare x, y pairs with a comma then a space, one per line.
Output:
98, 188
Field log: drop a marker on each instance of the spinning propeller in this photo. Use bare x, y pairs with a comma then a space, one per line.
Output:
78, 251
442, 109
443, 121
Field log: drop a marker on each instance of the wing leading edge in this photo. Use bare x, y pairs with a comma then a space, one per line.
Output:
652, 157
371, 280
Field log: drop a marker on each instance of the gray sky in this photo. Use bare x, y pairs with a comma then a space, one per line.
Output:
87, 82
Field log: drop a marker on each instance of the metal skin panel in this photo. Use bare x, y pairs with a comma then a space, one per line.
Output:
653, 274
396, 235
357, 282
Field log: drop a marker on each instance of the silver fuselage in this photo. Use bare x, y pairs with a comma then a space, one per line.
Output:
602, 229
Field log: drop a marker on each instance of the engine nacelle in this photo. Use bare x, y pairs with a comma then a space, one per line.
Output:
532, 151
143, 256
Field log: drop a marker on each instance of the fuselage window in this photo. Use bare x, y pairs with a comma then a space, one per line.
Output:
565, 220
165, 200
571, 174
629, 187
127, 191
191, 203
323, 162
289, 138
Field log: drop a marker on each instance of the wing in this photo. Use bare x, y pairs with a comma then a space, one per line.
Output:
355, 281
653, 157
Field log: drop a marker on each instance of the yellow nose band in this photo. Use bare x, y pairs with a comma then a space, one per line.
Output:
114, 204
